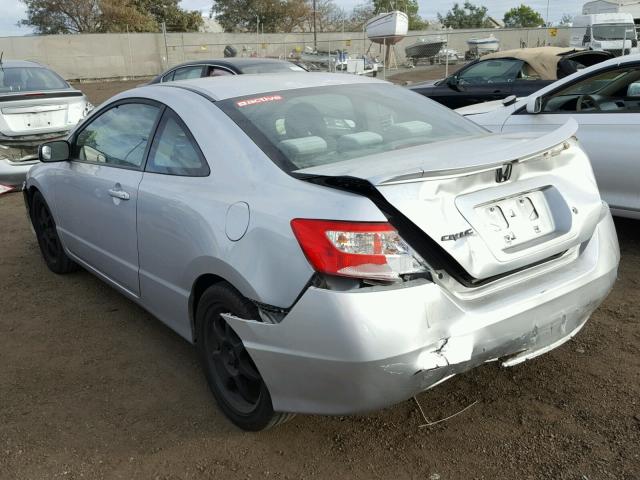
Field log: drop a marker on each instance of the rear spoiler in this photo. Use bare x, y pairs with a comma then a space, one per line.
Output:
38, 95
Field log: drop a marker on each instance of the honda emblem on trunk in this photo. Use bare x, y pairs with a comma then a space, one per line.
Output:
504, 173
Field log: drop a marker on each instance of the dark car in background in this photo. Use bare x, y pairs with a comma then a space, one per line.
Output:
226, 66
499, 75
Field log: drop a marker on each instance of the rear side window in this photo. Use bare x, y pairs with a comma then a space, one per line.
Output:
29, 79
118, 137
187, 72
218, 72
174, 151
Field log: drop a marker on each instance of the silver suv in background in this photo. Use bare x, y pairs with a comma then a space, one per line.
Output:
36, 105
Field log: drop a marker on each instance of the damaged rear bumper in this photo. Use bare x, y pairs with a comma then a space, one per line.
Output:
19, 154
348, 352
14, 173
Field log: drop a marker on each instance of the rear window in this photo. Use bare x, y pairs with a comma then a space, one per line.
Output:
29, 79
314, 126
275, 67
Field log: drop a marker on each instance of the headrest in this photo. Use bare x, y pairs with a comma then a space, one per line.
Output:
415, 128
303, 146
355, 141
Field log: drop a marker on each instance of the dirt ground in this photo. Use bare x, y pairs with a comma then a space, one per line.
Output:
98, 92
92, 386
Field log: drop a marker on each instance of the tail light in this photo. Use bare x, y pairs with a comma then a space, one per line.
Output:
356, 249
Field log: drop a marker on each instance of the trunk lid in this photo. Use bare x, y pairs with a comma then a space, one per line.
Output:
496, 203
32, 113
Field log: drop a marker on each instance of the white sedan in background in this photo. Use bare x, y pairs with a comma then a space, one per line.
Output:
605, 101
36, 105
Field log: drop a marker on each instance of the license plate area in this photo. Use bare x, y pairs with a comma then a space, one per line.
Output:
38, 120
517, 222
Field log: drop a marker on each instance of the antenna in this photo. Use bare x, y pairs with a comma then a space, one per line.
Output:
1, 55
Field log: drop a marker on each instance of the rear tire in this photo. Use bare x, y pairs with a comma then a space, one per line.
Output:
47, 235
232, 376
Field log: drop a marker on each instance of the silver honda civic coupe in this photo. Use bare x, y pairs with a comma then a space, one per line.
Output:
331, 244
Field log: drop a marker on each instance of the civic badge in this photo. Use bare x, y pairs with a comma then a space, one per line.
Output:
457, 236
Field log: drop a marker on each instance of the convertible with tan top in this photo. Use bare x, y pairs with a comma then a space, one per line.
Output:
512, 72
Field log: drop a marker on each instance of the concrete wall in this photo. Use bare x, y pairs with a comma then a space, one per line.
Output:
94, 56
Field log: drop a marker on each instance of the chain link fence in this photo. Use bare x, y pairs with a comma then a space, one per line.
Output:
354, 52
96, 56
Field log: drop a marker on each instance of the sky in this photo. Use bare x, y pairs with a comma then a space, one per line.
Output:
11, 11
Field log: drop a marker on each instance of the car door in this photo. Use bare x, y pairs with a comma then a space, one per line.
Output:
606, 131
97, 190
484, 81
170, 231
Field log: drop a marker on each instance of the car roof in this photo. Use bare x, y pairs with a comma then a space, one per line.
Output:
220, 88
525, 53
20, 63
232, 61
543, 60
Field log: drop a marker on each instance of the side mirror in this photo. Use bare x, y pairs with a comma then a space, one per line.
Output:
454, 83
534, 105
57, 151
510, 100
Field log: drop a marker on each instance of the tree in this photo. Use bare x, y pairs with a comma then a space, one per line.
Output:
274, 15
359, 16
329, 17
169, 12
121, 16
566, 19
523, 16
467, 16
70, 16
96, 16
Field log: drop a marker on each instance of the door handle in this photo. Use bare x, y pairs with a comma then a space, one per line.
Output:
121, 194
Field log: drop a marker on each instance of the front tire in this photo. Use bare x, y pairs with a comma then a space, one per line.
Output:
231, 373
47, 235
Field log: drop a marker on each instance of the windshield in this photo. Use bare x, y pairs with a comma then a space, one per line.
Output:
321, 125
593, 85
29, 79
614, 31
275, 67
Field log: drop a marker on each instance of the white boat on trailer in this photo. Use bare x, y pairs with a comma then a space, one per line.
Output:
425, 48
388, 28
482, 46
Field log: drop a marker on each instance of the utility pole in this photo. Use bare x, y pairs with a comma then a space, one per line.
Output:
548, 24
315, 36
166, 48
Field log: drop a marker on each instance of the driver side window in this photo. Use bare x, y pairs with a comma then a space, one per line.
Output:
492, 71
614, 91
118, 137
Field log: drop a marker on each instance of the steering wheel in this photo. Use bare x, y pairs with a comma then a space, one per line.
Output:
587, 102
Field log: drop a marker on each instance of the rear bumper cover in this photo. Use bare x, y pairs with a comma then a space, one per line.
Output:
18, 155
14, 173
349, 352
